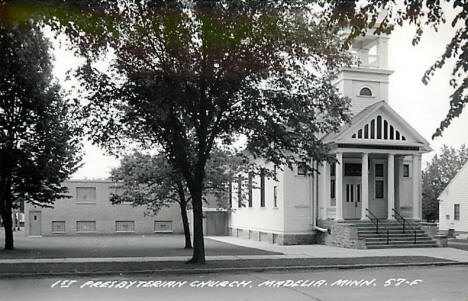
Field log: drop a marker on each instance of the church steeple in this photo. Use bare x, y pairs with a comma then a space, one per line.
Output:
366, 82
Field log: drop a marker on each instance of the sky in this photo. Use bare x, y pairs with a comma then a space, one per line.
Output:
422, 106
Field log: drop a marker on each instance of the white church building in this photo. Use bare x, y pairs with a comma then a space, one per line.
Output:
377, 177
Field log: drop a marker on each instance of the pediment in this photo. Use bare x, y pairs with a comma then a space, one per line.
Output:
379, 124
380, 128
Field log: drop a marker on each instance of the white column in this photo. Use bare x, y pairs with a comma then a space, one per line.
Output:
417, 187
365, 186
313, 194
420, 186
391, 185
382, 52
339, 187
324, 200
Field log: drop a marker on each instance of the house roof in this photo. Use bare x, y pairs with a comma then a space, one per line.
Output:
454, 179
402, 133
89, 181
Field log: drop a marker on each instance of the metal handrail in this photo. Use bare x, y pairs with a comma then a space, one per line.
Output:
372, 217
403, 221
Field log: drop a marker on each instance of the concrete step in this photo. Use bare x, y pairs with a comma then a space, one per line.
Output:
384, 222
392, 236
394, 246
396, 237
390, 231
387, 226
397, 241
390, 227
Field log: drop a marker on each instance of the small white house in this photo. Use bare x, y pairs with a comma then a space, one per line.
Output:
453, 203
378, 169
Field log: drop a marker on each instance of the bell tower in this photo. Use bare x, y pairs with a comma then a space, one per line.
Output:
365, 82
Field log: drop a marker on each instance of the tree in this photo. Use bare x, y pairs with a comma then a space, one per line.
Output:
358, 16
97, 19
195, 76
187, 76
152, 182
39, 147
383, 16
436, 176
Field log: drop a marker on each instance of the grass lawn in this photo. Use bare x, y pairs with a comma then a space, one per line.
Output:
461, 244
156, 245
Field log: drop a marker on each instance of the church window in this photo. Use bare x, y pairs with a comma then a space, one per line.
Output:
239, 192
301, 169
365, 92
250, 188
456, 213
262, 188
406, 170
332, 184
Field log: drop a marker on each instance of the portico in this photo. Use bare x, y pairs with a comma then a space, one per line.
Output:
371, 181
377, 168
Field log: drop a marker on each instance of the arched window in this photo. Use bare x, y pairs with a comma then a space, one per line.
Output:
365, 92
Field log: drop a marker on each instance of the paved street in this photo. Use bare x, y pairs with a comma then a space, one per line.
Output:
411, 283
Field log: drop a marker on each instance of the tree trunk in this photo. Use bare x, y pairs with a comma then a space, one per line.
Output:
8, 226
183, 212
6, 194
198, 241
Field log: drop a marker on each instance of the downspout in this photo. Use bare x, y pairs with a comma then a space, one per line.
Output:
321, 229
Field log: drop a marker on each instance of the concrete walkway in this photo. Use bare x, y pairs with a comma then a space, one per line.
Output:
322, 251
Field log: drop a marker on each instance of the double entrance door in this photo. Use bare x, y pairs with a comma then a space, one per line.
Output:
352, 197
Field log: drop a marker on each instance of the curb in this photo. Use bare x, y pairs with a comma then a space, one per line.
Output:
233, 269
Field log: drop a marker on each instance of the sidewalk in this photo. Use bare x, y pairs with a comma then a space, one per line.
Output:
292, 257
322, 251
